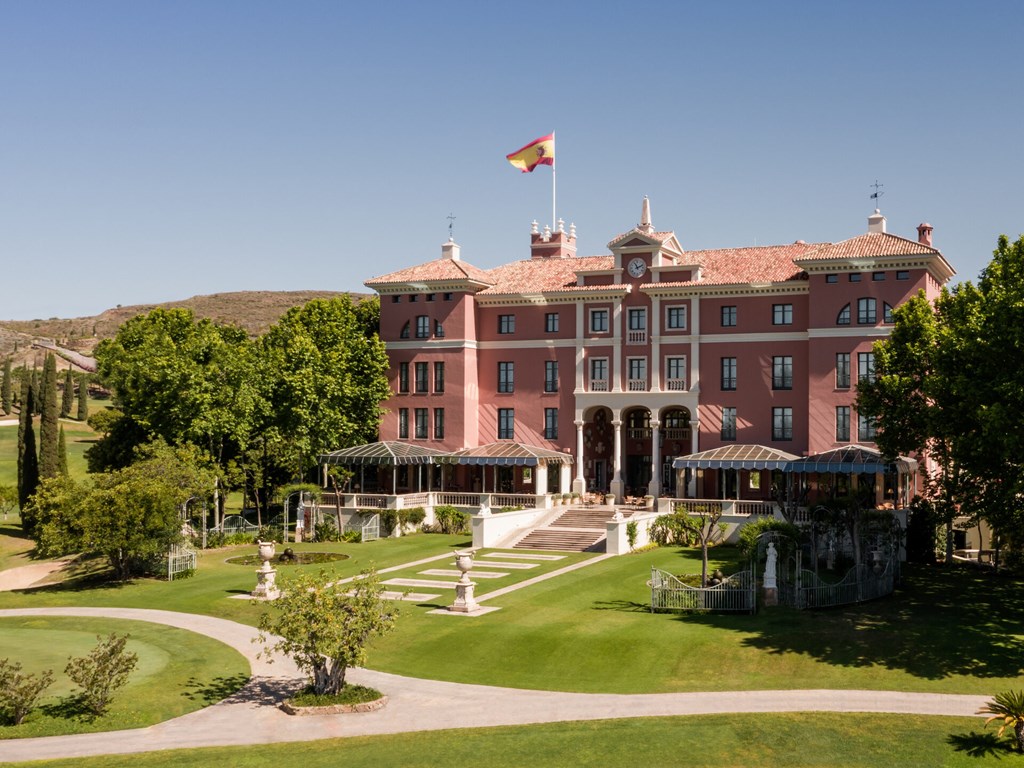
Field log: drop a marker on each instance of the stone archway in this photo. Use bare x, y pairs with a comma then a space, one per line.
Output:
675, 435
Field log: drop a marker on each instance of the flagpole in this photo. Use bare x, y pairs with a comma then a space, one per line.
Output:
554, 221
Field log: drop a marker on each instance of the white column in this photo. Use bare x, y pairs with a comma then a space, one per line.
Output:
654, 487
694, 383
581, 356
565, 478
654, 324
616, 382
616, 484
694, 432
579, 484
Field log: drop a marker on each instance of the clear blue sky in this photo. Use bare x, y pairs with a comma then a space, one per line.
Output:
151, 151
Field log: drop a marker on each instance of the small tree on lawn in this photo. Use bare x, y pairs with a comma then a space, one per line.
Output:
1007, 706
19, 693
702, 521
325, 627
105, 669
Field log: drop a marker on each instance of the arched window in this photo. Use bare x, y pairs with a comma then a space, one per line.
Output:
676, 419
844, 316
639, 419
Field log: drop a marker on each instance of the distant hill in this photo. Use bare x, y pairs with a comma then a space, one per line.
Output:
255, 311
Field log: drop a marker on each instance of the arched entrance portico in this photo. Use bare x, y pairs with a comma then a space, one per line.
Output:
630, 452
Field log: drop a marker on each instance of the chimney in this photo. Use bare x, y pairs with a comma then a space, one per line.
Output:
645, 225
553, 245
450, 250
876, 223
924, 234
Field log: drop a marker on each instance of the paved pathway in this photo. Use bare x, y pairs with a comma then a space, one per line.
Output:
420, 705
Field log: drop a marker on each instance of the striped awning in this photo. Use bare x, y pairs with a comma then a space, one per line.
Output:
852, 459
507, 454
736, 457
387, 453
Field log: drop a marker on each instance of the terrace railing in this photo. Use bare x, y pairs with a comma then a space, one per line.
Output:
735, 594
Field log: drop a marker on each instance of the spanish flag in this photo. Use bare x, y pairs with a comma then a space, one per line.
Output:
538, 152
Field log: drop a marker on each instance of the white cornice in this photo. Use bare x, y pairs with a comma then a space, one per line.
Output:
790, 287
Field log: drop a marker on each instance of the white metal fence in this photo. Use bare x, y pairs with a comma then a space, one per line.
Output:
736, 593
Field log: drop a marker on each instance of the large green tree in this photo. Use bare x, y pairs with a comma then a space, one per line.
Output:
131, 515
28, 460
49, 425
328, 379
83, 398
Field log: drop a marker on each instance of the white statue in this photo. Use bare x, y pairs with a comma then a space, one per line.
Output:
769, 566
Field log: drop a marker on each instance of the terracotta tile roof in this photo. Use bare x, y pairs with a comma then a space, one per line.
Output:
873, 244
543, 275
433, 271
758, 264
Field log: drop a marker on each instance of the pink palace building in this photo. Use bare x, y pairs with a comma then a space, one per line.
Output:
628, 361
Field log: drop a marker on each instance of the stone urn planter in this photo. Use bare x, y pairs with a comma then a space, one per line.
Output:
464, 588
266, 550
266, 588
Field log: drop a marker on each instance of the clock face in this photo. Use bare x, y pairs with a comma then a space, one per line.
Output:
637, 267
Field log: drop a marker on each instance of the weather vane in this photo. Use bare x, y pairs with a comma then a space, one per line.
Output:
451, 225
876, 194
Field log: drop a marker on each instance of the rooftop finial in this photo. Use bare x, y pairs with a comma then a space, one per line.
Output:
534, 230
451, 227
645, 217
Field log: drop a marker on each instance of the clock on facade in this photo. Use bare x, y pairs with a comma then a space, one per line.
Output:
637, 267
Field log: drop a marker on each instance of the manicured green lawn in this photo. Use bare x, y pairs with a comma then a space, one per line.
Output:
590, 630
736, 741
14, 546
178, 672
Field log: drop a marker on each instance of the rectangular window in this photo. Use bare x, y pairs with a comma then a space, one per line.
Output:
413, 298
421, 423
396, 299
550, 375
728, 373
421, 378
842, 423
403, 423
728, 316
422, 327
439, 423
782, 314
506, 423
903, 274
866, 428
675, 318
448, 297
439, 377
551, 322
842, 370
831, 278
878, 276
438, 330
855, 277
637, 368
782, 423
506, 377
430, 297
550, 423
782, 372
599, 321
866, 367
403, 377
506, 323
675, 373
867, 311
729, 423
599, 374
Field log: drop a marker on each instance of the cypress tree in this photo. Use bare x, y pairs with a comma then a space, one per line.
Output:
37, 398
62, 453
68, 396
28, 462
5, 388
49, 427
83, 398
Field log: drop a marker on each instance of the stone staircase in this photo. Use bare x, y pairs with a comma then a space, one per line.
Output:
578, 529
